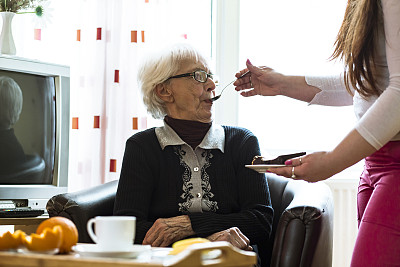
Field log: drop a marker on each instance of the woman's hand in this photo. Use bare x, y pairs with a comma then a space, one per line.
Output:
267, 82
234, 236
264, 81
322, 165
314, 167
164, 232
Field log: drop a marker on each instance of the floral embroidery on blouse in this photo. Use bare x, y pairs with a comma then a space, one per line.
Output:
196, 186
205, 183
187, 186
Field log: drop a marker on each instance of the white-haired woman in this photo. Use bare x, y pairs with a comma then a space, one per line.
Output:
188, 177
11, 152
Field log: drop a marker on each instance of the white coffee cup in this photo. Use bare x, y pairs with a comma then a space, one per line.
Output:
112, 233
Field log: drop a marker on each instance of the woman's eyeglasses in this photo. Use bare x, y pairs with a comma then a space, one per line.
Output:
198, 75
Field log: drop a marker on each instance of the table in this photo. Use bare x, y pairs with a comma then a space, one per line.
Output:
26, 224
230, 257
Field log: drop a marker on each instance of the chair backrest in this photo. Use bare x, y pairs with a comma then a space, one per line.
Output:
302, 230
277, 187
83, 205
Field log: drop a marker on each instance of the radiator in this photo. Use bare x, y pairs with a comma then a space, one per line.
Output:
345, 218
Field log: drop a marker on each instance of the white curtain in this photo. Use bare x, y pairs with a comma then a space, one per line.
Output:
105, 102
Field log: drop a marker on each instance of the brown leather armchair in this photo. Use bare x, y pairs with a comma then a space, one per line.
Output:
302, 230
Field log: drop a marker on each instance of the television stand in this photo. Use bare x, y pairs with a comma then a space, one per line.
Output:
26, 224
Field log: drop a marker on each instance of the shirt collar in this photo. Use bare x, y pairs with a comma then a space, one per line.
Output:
214, 138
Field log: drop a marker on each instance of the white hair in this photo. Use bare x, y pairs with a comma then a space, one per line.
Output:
10, 102
158, 67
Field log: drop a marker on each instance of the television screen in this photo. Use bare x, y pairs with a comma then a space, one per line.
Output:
27, 128
34, 131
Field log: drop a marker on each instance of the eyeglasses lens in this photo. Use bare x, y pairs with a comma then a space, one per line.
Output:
202, 76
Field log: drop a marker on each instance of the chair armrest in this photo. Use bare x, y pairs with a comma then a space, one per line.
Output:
304, 235
85, 204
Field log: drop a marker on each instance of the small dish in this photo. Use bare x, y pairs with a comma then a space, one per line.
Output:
161, 254
27, 251
263, 168
93, 250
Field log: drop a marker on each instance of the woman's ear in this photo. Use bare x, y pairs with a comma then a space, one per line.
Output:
164, 93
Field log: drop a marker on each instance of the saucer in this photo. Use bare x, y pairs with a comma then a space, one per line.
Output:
93, 250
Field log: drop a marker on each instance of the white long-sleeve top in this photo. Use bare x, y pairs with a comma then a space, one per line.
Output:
378, 117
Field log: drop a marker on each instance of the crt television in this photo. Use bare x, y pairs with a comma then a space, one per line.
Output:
34, 150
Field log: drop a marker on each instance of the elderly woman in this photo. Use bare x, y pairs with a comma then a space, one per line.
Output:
188, 178
11, 151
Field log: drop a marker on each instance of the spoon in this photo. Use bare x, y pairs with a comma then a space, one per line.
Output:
218, 96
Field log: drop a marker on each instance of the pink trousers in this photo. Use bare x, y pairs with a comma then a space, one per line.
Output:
378, 204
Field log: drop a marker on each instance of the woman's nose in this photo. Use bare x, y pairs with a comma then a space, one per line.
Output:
210, 85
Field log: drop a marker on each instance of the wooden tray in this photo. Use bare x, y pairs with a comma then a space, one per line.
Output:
229, 257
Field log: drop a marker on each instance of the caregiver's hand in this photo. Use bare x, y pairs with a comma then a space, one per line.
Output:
264, 81
313, 167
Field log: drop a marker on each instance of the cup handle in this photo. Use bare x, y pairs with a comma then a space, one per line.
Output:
90, 229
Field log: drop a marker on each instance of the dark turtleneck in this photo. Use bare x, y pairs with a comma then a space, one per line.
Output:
192, 132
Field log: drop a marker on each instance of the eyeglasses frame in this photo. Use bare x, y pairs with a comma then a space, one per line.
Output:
192, 74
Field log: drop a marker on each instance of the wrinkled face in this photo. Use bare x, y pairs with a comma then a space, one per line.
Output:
190, 99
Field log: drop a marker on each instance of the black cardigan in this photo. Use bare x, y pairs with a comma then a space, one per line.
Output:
150, 186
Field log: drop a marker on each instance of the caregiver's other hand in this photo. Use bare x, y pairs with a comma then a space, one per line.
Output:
234, 236
313, 167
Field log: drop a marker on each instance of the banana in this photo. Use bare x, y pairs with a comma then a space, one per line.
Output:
181, 245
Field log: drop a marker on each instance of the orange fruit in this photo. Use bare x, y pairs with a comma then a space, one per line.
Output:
70, 232
11, 241
49, 239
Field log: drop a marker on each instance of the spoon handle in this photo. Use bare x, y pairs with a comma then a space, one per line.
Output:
218, 96
234, 81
